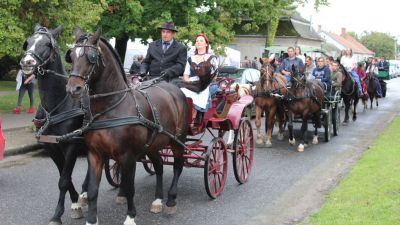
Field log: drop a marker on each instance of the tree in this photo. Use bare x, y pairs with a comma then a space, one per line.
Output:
122, 20
380, 43
18, 17
354, 35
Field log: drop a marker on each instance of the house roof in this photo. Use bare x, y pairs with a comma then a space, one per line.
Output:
349, 42
296, 26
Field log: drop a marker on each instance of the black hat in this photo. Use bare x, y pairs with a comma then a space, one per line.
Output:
169, 26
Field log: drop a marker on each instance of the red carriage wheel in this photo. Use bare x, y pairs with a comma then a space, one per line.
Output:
148, 165
215, 167
113, 172
243, 151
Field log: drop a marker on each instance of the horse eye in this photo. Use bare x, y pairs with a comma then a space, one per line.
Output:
25, 45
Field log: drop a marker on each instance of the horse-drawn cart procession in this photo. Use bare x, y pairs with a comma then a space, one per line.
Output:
121, 122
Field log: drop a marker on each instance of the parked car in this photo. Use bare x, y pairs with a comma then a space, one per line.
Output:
242, 76
2, 142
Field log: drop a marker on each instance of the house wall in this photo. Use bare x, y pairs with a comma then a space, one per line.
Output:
253, 46
249, 46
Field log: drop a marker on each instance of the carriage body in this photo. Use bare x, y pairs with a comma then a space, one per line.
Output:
231, 132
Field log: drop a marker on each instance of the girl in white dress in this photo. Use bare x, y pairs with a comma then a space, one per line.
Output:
202, 99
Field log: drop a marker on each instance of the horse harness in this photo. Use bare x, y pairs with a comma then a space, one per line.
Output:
93, 57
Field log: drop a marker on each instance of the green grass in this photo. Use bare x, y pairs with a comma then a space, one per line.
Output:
370, 194
9, 102
7, 85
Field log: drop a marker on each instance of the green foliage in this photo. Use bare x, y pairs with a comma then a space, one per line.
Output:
380, 43
354, 35
18, 18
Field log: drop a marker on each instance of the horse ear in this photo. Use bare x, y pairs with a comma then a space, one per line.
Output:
56, 32
78, 33
37, 27
272, 62
261, 61
96, 36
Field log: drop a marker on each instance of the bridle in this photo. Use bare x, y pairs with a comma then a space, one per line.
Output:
93, 55
39, 70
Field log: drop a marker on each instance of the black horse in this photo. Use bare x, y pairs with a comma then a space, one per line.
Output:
350, 95
371, 89
127, 122
57, 114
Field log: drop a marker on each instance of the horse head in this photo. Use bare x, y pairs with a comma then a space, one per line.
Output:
40, 49
85, 57
267, 72
298, 76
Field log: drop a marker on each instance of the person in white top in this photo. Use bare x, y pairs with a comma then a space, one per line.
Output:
299, 55
350, 64
201, 100
348, 61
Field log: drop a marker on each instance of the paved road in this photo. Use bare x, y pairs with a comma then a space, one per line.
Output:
285, 186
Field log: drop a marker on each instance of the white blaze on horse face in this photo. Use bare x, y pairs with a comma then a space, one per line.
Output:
36, 40
78, 51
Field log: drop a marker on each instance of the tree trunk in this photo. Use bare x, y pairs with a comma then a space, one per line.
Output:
120, 45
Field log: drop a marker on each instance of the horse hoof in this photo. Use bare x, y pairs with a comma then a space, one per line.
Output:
156, 206
54, 223
315, 140
345, 123
280, 137
300, 148
354, 119
83, 201
292, 142
76, 211
120, 200
259, 141
170, 210
268, 145
129, 221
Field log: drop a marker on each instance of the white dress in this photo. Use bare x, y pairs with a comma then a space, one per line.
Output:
199, 99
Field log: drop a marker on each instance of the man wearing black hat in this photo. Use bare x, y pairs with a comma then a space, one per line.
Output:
165, 57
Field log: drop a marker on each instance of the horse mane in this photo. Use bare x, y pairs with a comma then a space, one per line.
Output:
116, 56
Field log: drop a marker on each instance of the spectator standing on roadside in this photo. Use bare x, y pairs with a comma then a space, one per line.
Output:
25, 82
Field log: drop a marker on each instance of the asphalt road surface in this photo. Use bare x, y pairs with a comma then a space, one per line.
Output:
285, 186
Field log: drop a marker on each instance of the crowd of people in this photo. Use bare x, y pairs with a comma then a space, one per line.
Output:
328, 70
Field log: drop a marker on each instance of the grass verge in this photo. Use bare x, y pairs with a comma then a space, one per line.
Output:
370, 194
8, 101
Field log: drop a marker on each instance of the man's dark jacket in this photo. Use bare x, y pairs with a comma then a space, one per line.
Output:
172, 62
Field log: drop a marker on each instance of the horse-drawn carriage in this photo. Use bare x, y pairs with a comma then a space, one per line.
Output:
231, 133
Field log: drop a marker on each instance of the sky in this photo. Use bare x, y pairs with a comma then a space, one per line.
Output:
355, 15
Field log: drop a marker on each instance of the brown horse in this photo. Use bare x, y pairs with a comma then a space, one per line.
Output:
126, 123
305, 99
268, 93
